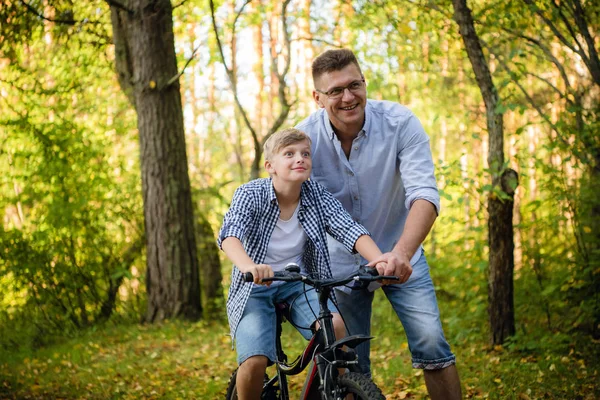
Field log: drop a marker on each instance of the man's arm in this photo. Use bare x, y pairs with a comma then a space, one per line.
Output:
234, 250
419, 221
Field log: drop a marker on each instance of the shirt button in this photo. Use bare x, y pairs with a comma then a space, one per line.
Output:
350, 173
355, 197
355, 147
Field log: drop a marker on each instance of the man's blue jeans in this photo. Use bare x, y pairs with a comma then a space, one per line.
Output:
415, 304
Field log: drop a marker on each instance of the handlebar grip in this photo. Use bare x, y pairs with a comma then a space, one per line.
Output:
248, 277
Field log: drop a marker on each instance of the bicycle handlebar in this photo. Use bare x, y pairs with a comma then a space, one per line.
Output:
292, 274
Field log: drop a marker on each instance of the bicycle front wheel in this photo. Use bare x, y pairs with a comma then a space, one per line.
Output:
356, 386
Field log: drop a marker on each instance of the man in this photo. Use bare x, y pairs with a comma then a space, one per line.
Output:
374, 157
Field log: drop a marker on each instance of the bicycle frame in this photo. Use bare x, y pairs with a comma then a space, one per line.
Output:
325, 353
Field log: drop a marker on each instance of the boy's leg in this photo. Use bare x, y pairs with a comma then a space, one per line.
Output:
355, 308
415, 304
249, 379
304, 304
255, 341
305, 309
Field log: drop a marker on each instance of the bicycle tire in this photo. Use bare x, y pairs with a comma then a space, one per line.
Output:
271, 394
359, 385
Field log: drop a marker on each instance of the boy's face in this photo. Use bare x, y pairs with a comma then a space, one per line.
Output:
292, 163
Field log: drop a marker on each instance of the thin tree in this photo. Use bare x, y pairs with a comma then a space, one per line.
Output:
501, 196
278, 74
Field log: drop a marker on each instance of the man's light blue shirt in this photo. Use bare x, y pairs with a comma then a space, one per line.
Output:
390, 166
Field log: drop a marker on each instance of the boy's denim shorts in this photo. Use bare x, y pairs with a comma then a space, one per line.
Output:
255, 333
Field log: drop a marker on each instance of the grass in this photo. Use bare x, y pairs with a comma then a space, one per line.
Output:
183, 360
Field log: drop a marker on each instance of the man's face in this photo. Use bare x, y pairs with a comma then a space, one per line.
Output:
346, 111
292, 163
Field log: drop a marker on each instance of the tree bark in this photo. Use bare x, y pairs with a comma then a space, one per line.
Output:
144, 34
501, 197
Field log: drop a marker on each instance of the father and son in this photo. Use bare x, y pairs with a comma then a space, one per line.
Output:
371, 194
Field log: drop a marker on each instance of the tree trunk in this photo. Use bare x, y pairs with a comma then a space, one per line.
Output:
144, 33
501, 198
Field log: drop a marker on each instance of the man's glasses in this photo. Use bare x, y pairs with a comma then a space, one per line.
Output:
337, 92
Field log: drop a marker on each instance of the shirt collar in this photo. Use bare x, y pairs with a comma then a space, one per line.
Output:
305, 198
272, 195
367, 125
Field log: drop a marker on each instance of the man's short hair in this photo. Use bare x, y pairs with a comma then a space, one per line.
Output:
281, 139
333, 60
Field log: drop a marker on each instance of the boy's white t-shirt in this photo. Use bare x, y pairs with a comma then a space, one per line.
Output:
287, 243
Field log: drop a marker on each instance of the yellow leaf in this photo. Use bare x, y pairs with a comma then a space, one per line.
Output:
404, 29
152, 84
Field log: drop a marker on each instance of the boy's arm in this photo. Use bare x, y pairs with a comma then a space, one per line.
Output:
234, 250
367, 248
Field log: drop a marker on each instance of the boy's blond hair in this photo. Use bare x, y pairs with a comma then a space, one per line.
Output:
281, 139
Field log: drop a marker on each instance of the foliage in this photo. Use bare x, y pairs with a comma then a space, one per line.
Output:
177, 360
72, 221
70, 193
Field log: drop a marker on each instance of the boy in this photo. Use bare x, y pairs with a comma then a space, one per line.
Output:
271, 222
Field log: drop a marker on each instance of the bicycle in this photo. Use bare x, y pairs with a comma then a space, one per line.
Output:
323, 352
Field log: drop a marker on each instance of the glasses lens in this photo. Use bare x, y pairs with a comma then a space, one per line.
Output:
336, 92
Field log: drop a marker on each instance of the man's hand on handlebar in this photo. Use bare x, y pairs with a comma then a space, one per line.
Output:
393, 263
259, 272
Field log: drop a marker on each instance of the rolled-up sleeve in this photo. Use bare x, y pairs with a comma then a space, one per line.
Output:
238, 218
416, 164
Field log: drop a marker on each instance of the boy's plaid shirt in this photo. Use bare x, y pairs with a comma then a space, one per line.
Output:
252, 217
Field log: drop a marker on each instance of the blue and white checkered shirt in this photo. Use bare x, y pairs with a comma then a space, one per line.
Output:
252, 217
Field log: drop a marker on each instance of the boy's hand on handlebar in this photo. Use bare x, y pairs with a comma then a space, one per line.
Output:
259, 272
393, 263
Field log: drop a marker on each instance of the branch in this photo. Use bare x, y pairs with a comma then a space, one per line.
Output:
532, 102
594, 61
431, 6
42, 16
237, 16
554, 29
546, 52
553, 87
180, 4
230, 73
311, 39
286, 41
176, 77
573, 34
